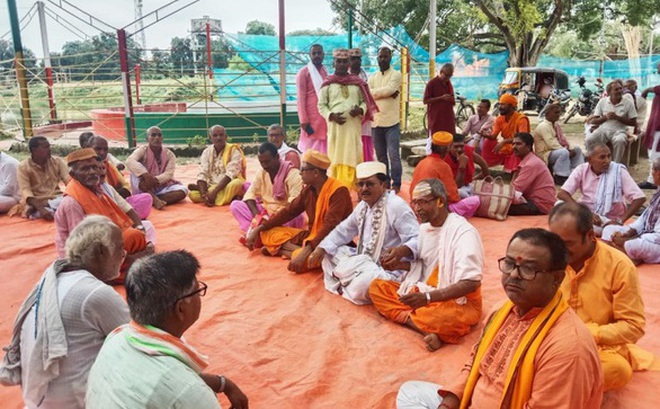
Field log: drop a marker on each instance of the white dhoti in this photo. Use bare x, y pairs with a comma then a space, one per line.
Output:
418, 395
349, 274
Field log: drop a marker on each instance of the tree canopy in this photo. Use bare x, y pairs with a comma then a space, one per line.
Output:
260, 28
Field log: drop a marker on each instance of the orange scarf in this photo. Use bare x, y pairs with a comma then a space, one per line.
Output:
112, 175
322, 205
92, 203
510, 128
520, 374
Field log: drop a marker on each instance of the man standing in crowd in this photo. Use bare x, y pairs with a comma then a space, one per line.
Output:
385, 86
313, 128
534, 352
345, 101
652, 134
440, 100
355, 55
612, 117
147, 363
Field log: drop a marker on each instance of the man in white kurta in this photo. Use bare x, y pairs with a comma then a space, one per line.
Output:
440, 296
343, 105
386, 229
10, 194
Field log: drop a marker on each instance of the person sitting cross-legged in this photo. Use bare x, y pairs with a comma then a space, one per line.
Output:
152, 171
440, 295
606, 188
276, 184
326, 201
640, 240
461, 158
147, 362
221, 171
534, 351
386, 230
61, 325
10, 194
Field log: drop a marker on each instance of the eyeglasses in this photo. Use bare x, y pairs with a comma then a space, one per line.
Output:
525, 271
422, 202
201, 291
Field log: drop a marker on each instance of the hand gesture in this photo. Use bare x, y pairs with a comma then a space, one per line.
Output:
356, 111
414, 300
338, 118
391, 258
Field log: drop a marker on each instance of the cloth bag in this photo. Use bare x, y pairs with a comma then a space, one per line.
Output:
495, 197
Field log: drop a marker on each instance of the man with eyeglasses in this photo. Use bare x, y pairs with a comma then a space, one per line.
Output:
386, 231
152, 169
147, 363
534, 351
440, 296
602, 286
326, 201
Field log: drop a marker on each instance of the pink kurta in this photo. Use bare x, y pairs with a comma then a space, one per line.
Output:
309, 113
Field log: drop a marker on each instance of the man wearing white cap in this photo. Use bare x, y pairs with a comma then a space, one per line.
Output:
386, 229
441, 294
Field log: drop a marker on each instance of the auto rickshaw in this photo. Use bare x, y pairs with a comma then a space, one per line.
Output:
533, 86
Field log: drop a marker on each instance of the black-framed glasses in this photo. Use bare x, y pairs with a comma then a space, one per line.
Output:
422, 202
201, 291
525, 271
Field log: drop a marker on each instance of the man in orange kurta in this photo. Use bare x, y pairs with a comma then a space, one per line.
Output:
434, 166
602, 286
441, 294
325, 200
507, 124
534, 351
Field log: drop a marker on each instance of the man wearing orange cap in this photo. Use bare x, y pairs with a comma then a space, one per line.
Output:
325, 200
434, 166
84, 195
345, 103
506, 125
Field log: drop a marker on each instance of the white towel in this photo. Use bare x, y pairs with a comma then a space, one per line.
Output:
610, 189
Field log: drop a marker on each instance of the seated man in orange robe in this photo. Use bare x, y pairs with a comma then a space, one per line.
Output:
84, 195
441, 294
434, 166
325, 200
507, 124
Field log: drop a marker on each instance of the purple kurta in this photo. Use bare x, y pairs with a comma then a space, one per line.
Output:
308, 112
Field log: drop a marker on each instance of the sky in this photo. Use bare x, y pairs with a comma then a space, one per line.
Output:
234, 14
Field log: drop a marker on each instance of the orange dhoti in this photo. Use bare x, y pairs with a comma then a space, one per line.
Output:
134, 240
274, 238
447, 319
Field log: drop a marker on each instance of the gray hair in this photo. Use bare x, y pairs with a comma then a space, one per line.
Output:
277, 128
155, 283
214, 127
437, 188
593, 146
88, 236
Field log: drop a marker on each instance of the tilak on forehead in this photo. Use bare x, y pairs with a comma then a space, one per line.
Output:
422, 189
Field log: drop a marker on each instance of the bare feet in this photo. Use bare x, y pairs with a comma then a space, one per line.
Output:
159, 204
433, 342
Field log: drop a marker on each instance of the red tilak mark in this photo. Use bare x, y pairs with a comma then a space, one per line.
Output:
519, 259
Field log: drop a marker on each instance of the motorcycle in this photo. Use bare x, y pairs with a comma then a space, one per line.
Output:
587, 101
556, 97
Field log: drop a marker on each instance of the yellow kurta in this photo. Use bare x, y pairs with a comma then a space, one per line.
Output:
606, 295
262, 188
344, 141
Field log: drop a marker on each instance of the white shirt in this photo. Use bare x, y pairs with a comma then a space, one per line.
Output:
8, 177
90, 310
625, 108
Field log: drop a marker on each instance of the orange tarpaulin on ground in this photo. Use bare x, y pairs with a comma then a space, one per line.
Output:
285, 340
